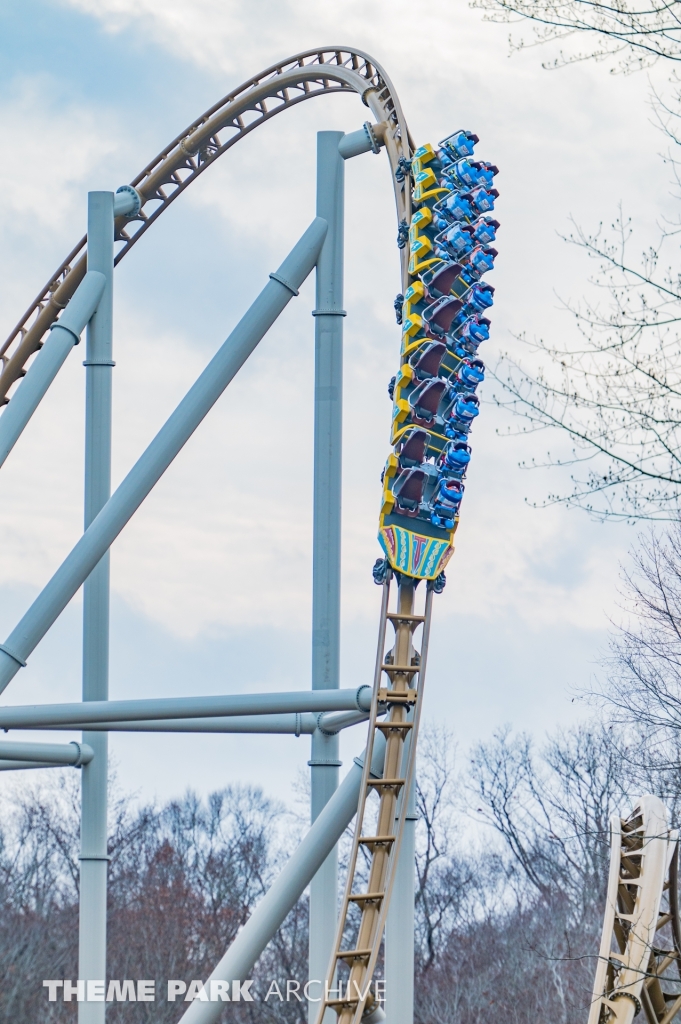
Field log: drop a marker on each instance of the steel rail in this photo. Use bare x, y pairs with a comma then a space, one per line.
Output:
312, 73
406, 675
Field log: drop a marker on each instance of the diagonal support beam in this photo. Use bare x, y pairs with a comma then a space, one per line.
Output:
52, 356
169, 441
154, 708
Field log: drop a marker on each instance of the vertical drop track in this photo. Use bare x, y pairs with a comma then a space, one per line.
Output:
398, 694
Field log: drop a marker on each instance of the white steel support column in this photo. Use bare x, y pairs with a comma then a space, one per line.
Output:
98, 371
326, 558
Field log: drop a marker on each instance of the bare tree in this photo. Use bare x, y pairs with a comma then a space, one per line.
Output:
615, 388
635, 35
183, 879
505, 927
552, 811
612, 390
445, 880
641, 689
524, 947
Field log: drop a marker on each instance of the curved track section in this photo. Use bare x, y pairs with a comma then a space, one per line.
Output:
639, 963
301, 77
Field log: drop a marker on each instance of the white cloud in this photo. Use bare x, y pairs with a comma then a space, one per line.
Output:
56, 148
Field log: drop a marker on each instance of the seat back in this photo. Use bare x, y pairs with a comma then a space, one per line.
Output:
425, 398
408, 489
440, 279
440, 314
413, 447
426, 360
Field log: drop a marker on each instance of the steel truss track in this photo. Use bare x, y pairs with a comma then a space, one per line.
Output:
638, 969
319, 72
365, 904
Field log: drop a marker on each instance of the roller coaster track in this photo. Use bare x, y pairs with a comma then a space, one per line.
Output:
302, 77
640, 954
364, 910
444, 253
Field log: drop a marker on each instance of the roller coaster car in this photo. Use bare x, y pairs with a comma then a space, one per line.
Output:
469, 336
425, 399
427, 358
481, 260
449, 250
486, 171
482, 199
424, 154
438, 316
425, 180
408, 491
412, 448
439, 280
481, 297
420, 246
463, 174
469, 375
461, 414
476, 328
473, 329
434, 405
485, 230
421, 219
454, 459
454, 240
445, 504
456, 206
460, 143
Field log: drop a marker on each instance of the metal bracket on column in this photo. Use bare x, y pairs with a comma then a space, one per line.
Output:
15, 657
375, 143
286, 284
81, 748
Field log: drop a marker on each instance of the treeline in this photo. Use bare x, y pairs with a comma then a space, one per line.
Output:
509, 927
512, 857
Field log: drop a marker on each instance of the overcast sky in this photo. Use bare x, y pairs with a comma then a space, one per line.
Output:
211, 580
